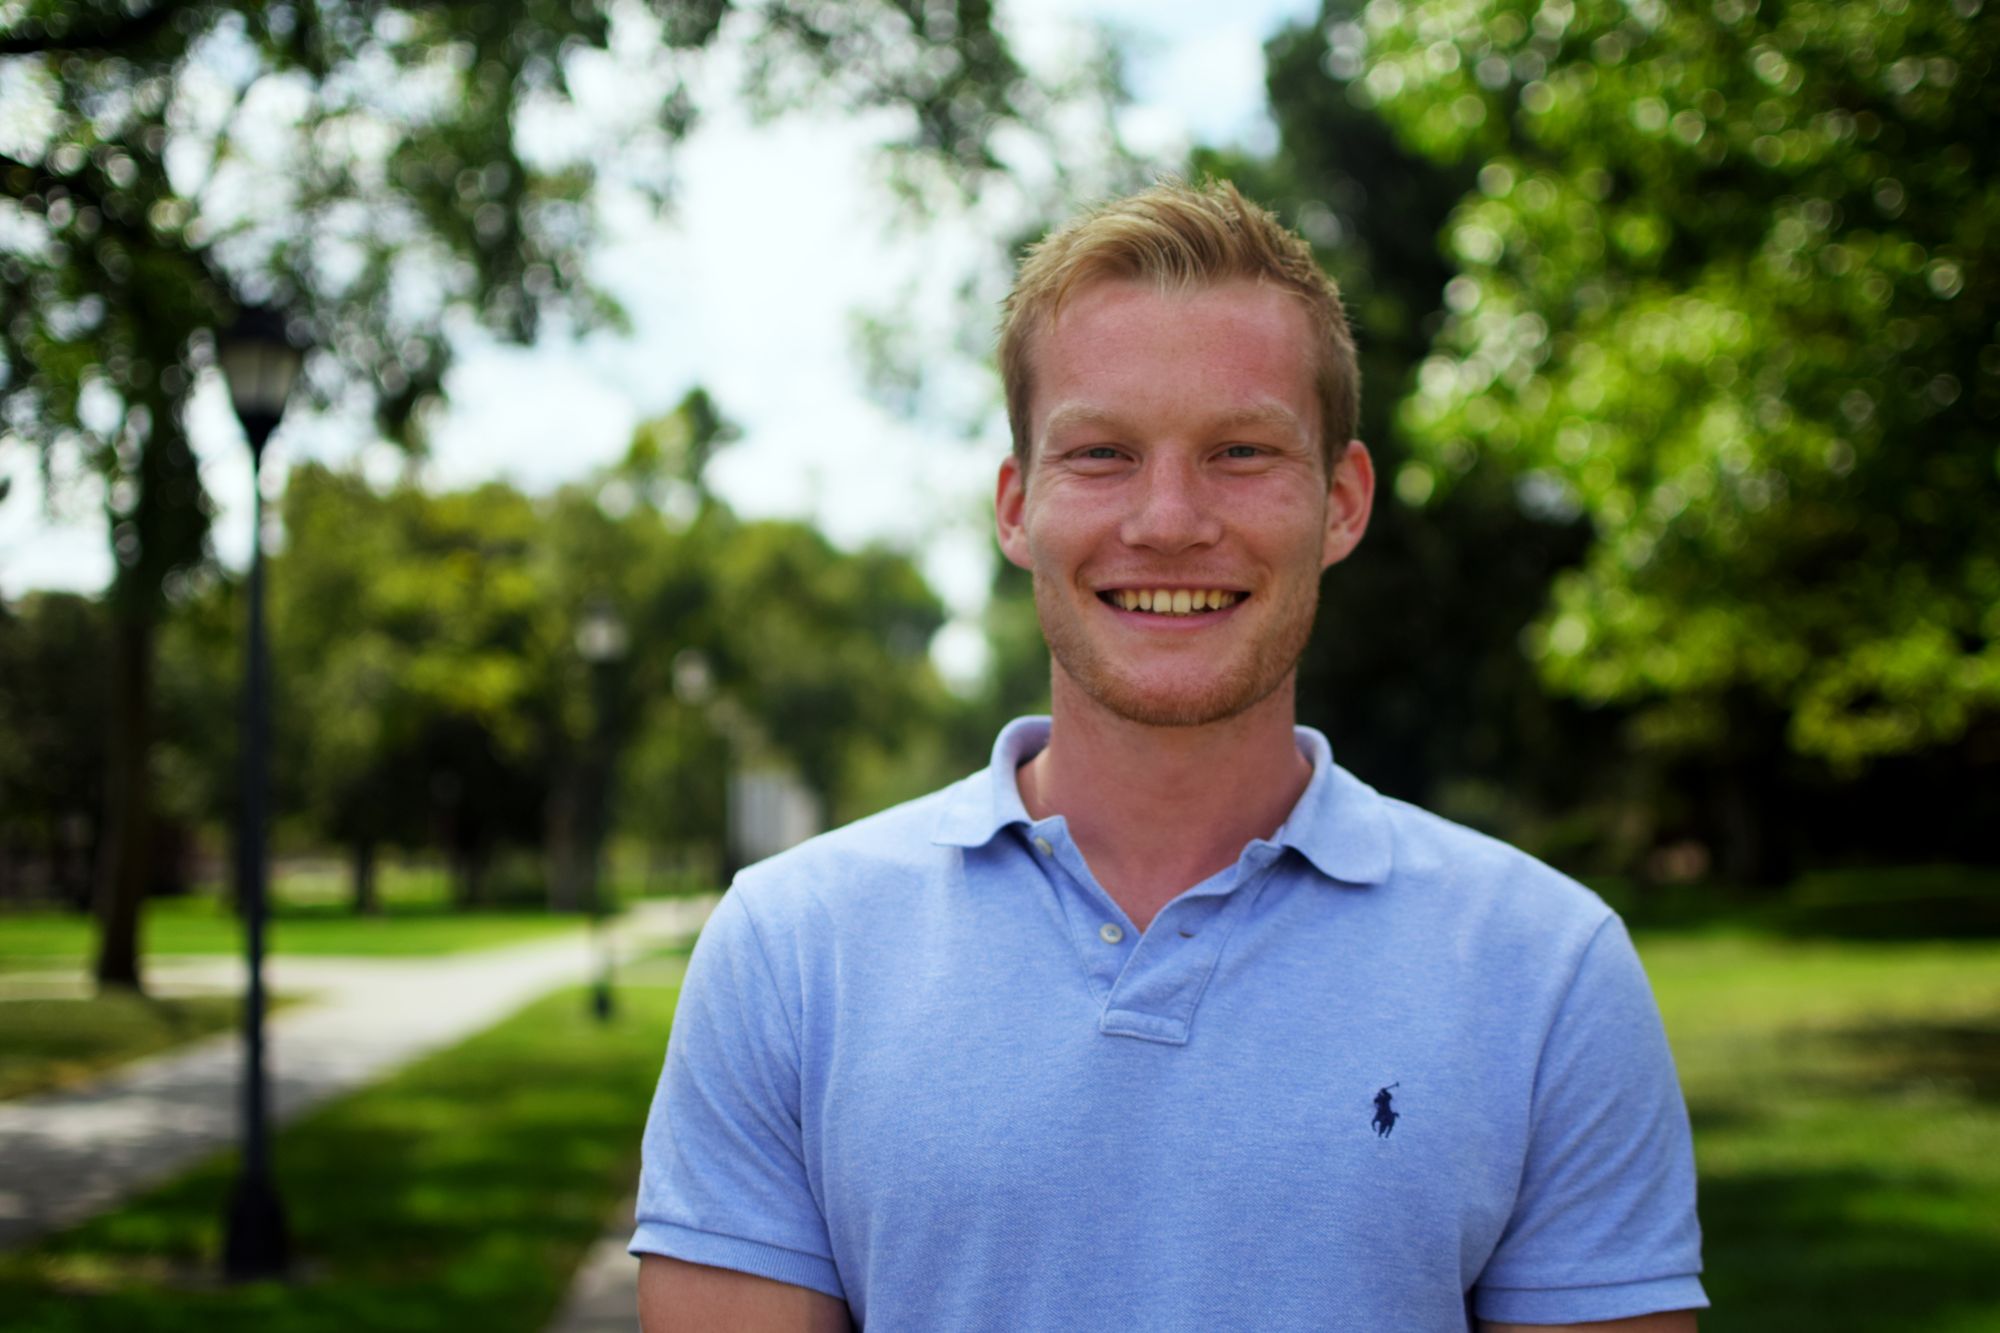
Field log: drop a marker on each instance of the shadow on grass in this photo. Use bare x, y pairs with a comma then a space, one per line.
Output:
1714, 1115
416, 911
1905, 903
1961, 1057
1844, 1251
458, 1195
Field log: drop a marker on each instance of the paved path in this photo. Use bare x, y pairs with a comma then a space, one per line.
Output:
67, 1156
604, 1294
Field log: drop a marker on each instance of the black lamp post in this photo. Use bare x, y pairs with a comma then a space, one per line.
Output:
260, 364
600, 641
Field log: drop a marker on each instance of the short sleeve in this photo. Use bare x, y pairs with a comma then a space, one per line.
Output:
724, 1179
1604, 1222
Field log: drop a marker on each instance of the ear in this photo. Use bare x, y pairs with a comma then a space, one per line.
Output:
1010, 501
1350, 498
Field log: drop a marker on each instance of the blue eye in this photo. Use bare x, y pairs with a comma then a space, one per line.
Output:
1243, 451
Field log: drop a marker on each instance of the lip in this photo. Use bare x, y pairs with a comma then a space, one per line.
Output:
1171, 585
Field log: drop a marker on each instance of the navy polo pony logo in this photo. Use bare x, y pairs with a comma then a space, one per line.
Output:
1386, 1115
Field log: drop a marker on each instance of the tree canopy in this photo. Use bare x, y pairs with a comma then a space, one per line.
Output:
1726, 289
378, 171
444, 684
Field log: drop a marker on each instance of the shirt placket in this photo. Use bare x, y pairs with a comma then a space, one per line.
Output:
1149, 984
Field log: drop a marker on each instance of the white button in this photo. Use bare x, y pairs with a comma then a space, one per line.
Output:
1042, 846
1110, 932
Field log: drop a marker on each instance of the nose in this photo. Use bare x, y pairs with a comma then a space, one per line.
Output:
1171, 509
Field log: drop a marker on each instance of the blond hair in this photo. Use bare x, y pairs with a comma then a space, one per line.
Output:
1179, 237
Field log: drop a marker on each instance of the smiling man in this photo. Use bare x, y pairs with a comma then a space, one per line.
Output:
1163, 1020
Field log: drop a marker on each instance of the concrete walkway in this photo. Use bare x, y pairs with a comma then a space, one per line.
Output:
604, 1294
70, 1155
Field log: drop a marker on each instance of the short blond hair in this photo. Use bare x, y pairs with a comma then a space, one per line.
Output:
1179, 237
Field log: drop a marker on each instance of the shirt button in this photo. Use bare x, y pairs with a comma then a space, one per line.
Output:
1042, 846
1110, 932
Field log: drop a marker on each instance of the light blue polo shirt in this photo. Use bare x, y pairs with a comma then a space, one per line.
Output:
1381, 1074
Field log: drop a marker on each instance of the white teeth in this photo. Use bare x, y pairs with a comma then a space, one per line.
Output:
1175, 601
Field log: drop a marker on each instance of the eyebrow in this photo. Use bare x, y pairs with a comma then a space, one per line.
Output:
1075, 415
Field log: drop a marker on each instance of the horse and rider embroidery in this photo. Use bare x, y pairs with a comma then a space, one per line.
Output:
1386, 1115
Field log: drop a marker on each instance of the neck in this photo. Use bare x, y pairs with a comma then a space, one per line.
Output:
1156, 810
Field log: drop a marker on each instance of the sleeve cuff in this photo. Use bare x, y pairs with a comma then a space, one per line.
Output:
745, 1256
1579, 1305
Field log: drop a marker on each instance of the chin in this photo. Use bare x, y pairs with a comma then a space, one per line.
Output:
1185, 705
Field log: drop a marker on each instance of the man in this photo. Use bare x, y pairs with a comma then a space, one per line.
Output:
1105, 1036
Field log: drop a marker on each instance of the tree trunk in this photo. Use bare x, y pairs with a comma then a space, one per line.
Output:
122, 870
468, 864
366, 903
1752, 847
164, 530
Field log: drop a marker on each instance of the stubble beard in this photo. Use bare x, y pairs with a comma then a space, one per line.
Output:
1232, 689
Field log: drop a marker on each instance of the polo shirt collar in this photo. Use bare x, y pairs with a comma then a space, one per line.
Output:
1339, 823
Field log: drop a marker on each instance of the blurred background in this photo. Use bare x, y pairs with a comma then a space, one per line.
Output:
629, 520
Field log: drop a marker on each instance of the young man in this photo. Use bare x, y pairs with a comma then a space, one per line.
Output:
1164, 1021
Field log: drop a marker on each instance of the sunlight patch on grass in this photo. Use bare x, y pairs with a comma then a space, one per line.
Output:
50, 1044
39, 940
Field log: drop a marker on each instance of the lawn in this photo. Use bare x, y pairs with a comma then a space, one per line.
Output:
205, 925
1846, 1104
459, 1194
1845, 1094
47, 1044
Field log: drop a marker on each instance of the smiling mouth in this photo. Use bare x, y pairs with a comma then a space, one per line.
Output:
1172, 601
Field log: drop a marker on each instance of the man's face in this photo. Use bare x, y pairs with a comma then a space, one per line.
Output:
1176, 511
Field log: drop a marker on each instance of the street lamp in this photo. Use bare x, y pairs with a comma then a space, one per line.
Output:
260, 363
694, 686
600, 641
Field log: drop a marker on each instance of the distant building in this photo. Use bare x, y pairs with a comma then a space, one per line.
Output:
770, 809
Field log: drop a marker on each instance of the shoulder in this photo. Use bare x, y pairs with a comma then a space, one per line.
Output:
871, 863
1470, 885
840, 911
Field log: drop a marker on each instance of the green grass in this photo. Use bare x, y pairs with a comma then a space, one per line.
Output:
47, 1044
200, 925
1845, 1094
459, 1194
1870, 903
1846, 1104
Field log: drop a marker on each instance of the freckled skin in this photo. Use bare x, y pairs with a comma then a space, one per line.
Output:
1175, 441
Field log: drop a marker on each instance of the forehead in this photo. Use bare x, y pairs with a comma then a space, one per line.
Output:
1227, 349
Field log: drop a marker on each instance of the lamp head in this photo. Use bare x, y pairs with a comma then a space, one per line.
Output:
260, 362
601, 638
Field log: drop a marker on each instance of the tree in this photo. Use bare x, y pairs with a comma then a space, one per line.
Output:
441, 686
361, 164
52, 758
1414, 668
1726, 290
408, 637
825, 652
627, 555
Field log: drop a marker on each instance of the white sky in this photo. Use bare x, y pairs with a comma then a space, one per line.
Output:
737, 291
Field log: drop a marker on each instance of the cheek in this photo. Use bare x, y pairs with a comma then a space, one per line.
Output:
1295, 531
1060, 526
